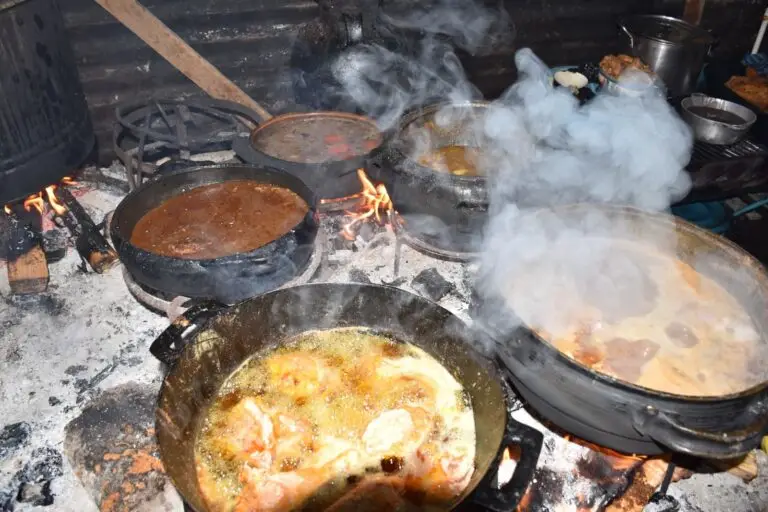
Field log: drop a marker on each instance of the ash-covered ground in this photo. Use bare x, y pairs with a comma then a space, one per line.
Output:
84, 343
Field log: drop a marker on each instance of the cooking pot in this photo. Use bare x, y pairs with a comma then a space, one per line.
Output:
715, 120
674, 49
227, 279
623, 416
332, 179
210, 342
458, 204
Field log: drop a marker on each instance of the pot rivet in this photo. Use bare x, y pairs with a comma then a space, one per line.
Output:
651, 410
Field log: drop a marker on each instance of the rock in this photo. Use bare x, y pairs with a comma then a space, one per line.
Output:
429, 282
37, 494
12, 437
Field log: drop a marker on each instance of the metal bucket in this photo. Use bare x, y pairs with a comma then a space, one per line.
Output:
674, 50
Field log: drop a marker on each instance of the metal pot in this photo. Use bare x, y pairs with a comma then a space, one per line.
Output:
209, 343
674, 49
717, 121
228, 279
623, 416
449, 211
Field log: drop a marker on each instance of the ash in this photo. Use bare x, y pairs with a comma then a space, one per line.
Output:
65, 349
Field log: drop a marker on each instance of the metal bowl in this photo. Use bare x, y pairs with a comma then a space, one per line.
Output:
716, 121
621, 88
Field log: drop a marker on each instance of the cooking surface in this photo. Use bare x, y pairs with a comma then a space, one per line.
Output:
218, 220
93, 337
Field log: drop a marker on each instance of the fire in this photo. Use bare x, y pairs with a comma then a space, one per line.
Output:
35, 201
7, 209
374, 203
59, 208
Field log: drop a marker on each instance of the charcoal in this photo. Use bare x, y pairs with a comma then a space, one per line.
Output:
45, 464
358, 276
12, 437
662, 503
429, 282
36, 494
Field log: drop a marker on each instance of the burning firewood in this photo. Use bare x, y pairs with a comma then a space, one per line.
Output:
89, 242
26, 263
649, 476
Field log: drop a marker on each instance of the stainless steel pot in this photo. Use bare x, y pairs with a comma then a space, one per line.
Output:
674, 50
717, 121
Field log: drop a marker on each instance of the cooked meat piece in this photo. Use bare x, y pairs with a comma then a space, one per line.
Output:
615, 65
681, 335
626, 358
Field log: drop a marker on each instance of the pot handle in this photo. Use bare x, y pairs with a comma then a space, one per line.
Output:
626, 31
244, 149
661, 427
168, 346
507, 498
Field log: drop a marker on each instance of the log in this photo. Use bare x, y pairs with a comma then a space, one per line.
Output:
744, 468
178, 53
28, 273
89, 242
26, 263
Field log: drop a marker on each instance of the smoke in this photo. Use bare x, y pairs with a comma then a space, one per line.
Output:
385, 83
542, 149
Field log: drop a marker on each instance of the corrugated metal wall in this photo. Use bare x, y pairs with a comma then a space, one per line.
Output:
251, 42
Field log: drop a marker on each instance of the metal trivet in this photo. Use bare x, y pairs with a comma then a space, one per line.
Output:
431, 250
148, 132
720, 172
173, 306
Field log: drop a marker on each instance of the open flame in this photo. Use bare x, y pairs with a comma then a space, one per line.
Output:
38, 201
374, 203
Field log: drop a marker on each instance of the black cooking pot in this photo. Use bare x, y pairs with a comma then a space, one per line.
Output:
626, 417
210, 342
446, 210
332, 179
227, 279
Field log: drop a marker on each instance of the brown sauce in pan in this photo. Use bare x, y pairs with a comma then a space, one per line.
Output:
218, 220
314, 140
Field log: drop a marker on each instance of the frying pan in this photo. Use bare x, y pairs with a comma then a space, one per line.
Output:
210, 342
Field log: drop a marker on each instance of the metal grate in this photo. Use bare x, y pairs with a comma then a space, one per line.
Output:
706, 153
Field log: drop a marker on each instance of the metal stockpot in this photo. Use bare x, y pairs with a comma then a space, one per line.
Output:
674, 50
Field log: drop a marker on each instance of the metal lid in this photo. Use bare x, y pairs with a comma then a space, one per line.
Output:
666, 29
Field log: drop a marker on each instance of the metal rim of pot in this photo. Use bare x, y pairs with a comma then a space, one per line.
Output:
707, 38
652, 421
331, 179
178, 345
140, 262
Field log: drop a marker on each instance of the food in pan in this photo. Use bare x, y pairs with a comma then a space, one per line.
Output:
342, 419
571, 79
613, 66
649, 319
753, 88
219, 219
457, 160
317, 139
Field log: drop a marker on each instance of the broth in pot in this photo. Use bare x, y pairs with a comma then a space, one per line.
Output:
343, 419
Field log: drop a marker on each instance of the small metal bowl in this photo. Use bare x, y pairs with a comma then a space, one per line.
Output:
717, 121
622, 88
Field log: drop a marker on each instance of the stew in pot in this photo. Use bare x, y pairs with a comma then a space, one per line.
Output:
330, 416
218, 220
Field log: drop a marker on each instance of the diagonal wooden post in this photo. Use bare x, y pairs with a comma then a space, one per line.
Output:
177, 52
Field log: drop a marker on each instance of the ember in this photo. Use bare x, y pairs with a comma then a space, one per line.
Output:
374, 203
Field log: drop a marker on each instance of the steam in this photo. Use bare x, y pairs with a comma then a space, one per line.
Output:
385, 84
543, 150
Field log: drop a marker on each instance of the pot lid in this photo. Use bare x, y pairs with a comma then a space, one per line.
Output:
666, 30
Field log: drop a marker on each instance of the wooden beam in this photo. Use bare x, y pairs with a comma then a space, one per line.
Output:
693, 11
177, 52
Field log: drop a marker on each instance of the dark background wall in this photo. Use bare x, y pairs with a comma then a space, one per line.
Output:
251, 41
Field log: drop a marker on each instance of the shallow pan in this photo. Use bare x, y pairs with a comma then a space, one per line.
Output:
717, 121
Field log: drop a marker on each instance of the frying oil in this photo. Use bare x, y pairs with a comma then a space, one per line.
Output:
330, 411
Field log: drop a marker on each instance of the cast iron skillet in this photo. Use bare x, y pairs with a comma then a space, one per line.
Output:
622, 416
328, 180
227, 279
209, 342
